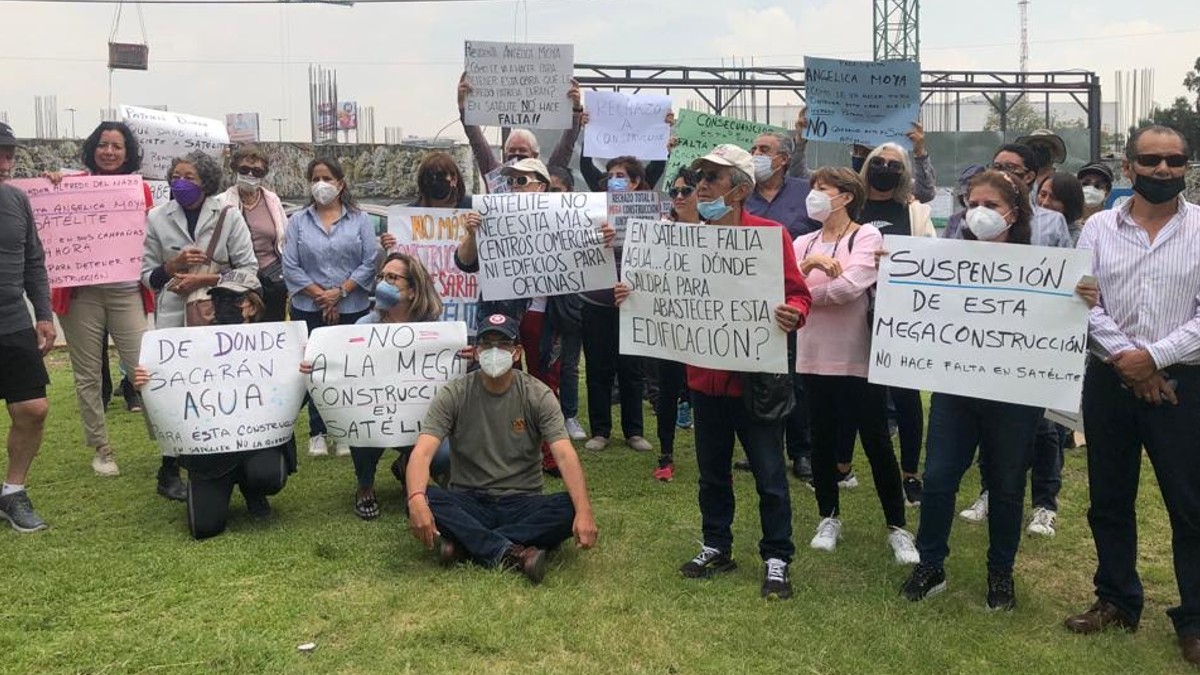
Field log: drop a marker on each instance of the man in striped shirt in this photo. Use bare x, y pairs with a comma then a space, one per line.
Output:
1142, 386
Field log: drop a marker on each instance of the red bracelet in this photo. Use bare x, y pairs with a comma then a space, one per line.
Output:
416, 494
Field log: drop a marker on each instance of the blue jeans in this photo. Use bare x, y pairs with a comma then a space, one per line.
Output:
314, 320
568, 379
366, 460
486, 526
1004, 432
718, 420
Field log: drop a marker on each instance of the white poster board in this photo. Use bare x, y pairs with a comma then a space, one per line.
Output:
216, 389
166, 135
991, 321
432, 236
622, 124
704, 295
543, 243
516, 84
373, 383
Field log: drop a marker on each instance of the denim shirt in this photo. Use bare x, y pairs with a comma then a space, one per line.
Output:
788, 208
313, 256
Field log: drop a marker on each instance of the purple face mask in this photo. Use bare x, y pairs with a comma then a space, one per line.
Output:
186, 192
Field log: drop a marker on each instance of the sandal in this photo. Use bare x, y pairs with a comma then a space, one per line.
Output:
366, 508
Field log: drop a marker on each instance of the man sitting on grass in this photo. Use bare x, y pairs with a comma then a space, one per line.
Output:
494, 511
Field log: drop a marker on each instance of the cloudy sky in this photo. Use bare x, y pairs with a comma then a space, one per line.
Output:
404, 58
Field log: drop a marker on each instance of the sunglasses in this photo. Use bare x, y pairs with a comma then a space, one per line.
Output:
521, 181
710, 176
677, 192
251, 171
1010, 168
889, 164
1150, 161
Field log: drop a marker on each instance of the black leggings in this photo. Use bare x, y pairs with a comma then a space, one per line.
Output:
261, 473
672, 384
910, 423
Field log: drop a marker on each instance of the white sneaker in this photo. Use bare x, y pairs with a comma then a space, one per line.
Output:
341, 449
829, 530
575, 430
596, 444
1042, 522
104, 464
978, 511
904, 546
847, 481
317, 447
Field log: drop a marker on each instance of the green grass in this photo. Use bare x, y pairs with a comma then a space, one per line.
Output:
117, 586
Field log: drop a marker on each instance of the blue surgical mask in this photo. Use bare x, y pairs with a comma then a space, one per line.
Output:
714, 210
618, 184
387, 295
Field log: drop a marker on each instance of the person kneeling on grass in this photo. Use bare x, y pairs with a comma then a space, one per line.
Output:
259, 473
493, 511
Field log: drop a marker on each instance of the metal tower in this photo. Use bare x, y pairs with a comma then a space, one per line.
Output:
897, 30
1024, 6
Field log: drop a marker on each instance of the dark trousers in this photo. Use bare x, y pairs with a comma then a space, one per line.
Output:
910, 425
672, 384
486, 526
262, 473
1045, 474
718, 420
1118, 425
366, 461
1002, 431
601, 343
568, 382
275, 300
840, 408
797, 428
314, 320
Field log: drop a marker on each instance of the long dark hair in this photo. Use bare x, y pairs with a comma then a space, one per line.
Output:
133, 150
1016, 194
1067, 189
690, 178
440, 162
335, 168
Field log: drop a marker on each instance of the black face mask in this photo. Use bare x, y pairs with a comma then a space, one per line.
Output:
228, 308
1158, 190
882, 179
435, 185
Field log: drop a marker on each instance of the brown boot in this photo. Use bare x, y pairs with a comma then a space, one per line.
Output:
528, 560
1100, 616
449, 553
1190, 646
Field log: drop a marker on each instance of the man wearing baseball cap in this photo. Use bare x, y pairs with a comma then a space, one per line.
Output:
1097, 181
493, 510
24, 343
1051, 152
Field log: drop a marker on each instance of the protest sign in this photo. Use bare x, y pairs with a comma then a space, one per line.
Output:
160, 192
696, 134
867, 102
216, 389
373, 383
1070, 420
91, 227
543, 243
166, 135
432, 236
622, 124
991, 321
704, 295
242, 127
516, 84
637, 204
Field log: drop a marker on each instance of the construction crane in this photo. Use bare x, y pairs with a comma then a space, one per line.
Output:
1023, 5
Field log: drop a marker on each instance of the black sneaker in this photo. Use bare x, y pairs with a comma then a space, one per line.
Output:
777, 585
912, 491
1002, 596
170, 485
258, 506
133, 400
708, 562
924, 582
742, 465
802, 468
18, 511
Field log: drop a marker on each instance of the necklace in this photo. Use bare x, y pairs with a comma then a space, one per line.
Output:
250, 206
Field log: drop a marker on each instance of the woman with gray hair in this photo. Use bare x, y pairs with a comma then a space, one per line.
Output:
176, 262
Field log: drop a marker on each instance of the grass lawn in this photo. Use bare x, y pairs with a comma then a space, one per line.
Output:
117, 586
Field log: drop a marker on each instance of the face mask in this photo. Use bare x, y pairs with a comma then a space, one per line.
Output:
714, 210
324, 193
819, 206
986, 224
618, 184
387, 295
856, 163
186, 192
882, 179
435, 186
762, 167
227, 309
1093, 196
495, 362
1158, 190
248, 184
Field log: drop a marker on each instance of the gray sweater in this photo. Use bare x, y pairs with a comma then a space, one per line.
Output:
22, 264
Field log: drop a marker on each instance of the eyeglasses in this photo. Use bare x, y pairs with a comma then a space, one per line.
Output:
521, 181
1151, 161
677, 192
390, 277
1010, 168
251, 171
889, 164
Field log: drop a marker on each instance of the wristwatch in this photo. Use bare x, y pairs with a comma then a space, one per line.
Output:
342, 291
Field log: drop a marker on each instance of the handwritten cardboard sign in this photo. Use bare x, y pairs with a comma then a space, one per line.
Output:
992, 321
166, 135
867, 102
697, 133
627, 124
704, 295
516, 84
542, 243
432, 236
217, 389
373, 383
91, 227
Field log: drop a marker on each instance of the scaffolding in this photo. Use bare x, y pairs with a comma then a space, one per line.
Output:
897, 30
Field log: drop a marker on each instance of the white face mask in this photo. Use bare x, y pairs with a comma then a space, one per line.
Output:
762, 167
495, 362
324, 193
986, 224
819, 206
1093, 196
248, 184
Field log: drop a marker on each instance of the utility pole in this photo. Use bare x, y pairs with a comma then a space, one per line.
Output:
279, 123
897, 33
72, 111
1024, 7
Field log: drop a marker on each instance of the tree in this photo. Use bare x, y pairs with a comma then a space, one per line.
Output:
1183, 114
1022, 118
